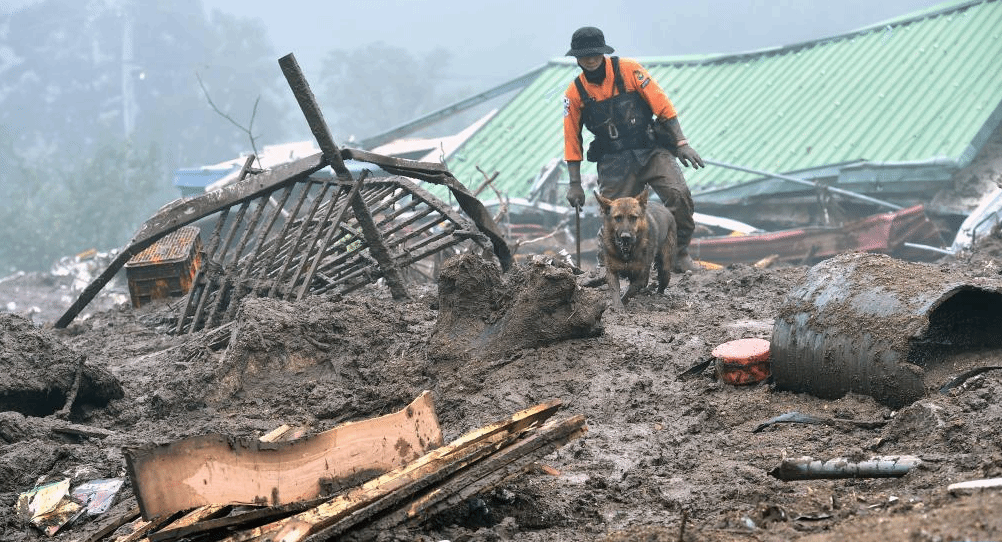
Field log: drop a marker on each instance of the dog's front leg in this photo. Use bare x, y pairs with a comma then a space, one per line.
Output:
637, 282
612, 279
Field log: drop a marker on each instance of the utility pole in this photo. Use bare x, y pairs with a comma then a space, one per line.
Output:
128, 89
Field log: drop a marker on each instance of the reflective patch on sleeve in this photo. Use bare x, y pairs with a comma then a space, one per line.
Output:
567, 106
645, 83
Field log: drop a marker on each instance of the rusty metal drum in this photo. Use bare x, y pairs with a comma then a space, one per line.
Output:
742, 361
883, 327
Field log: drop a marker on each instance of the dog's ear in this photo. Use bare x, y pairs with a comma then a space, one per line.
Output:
642, 198
604, 202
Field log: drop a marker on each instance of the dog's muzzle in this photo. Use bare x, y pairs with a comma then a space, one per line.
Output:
624, 243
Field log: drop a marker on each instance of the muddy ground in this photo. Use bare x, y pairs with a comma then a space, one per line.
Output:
664, 458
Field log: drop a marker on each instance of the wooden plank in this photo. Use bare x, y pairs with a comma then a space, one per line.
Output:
199, 514
175, 532
405, 481
276, 434
86, 431
215, 469
214, 511
511, 461
498, 468
131, 515
143, 528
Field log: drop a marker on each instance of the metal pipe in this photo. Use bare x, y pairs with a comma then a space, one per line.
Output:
808, 468
804, 182
938, 250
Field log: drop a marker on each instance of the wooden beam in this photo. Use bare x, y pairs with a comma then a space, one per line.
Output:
332, 154
213, 511
101, 533
493, 470
405, 481
144, 528
175, 532
216, 469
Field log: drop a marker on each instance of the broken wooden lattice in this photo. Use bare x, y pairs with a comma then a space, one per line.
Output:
286, 233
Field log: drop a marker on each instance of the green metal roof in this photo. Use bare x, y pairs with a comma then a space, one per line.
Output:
924, 89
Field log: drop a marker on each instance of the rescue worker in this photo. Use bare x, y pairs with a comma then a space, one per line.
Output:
635, 125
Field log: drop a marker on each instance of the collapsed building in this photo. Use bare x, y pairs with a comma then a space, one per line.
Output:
884, 139
801, 139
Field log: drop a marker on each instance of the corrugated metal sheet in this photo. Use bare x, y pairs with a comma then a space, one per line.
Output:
915, 89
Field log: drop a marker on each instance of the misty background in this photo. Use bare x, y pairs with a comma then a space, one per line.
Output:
102, 100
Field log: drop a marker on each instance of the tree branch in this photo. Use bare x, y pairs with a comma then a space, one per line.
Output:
247, 130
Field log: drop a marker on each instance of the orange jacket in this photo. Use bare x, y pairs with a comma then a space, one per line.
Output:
636, 79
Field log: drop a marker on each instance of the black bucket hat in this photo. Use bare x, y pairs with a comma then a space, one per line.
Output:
588, 41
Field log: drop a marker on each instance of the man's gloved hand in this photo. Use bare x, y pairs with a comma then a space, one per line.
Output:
689, 157
686, 154
575, 194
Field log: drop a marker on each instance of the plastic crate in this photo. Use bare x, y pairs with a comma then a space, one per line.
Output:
165, 269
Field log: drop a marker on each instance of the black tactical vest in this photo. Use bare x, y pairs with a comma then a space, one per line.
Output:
622, 122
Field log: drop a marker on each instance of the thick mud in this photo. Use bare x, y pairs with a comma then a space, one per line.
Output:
665, 458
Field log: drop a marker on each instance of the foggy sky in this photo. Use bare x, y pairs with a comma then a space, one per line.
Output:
491, 43
494, 42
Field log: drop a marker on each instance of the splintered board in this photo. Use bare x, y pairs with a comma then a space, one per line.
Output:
219, 469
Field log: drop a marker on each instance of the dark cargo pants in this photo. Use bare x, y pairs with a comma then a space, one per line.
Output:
626, 173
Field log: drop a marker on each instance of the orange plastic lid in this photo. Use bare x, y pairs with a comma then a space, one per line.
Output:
743, 350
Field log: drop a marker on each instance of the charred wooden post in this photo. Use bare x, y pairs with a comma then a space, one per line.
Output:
315, 118
379, 250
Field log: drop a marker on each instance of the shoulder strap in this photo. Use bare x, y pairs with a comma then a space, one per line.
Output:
585, 98
618, 77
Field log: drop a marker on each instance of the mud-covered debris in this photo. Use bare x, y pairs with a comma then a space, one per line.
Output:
484, 313
797, 417
50, 507
39, 373
98, 495
891, 329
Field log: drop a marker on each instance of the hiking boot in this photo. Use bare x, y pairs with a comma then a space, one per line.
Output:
684, 262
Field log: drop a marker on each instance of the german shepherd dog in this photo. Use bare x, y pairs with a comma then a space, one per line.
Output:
635, 234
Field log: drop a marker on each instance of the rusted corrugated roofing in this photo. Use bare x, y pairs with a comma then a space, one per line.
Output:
872, 106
